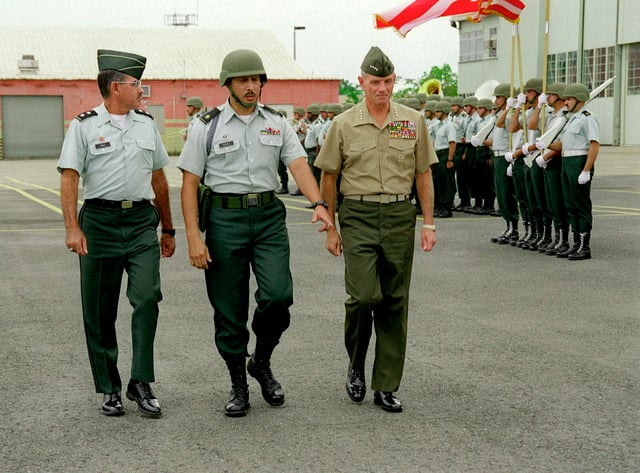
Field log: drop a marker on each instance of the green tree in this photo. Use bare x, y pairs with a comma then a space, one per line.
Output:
353, 92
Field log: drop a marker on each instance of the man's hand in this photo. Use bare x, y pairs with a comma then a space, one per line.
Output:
76, 241
199, 253
584, 177
321, 214
508, 156
510, 170
541, 162
542, 100
167, 245
334, 242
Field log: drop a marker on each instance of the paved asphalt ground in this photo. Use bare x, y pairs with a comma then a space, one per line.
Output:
517, 361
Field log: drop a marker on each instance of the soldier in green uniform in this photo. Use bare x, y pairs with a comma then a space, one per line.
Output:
247, 229
580, 145
378, 147
117, 151
194, 107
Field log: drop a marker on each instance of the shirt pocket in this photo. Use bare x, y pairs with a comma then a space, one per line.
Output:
362, 155
271, 144
226, 147
101, 148
146, 149
402, 152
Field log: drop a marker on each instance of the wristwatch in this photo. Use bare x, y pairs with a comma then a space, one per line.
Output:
320, 202
168, 231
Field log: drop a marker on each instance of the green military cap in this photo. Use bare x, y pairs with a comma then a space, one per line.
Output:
313, 109
347, 106
446, 99
377, 63
430, 106
443, 106
127, 63
485, 103
471, 100
413, 103
194, 102
334, 108
435, 97
422, 97
299, 110
324, 107
457, 100
556, 88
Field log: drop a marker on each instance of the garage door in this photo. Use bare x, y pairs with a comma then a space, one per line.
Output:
32, 126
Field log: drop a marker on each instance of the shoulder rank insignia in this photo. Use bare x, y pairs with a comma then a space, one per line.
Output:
83, 115
586, 112
143, 112
272, 110
210, 115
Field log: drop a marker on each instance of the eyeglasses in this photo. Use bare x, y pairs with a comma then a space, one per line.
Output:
134, 83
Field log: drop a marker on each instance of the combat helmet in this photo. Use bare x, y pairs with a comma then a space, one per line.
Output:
502, 90
556, 88
485, 103
534, 84
240, 63
579, 91
442, 106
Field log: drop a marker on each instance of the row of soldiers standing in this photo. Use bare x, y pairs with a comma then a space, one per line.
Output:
488, 151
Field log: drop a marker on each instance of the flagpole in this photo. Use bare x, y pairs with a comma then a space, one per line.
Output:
513, 66
544, 66
520, 74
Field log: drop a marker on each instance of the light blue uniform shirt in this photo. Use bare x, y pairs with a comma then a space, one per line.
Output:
115, 163
445, 134
581, 129
244, 156
501, 135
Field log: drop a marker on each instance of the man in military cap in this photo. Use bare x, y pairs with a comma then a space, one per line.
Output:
248, 228
194, 107
117, 151
314, 130
378, 147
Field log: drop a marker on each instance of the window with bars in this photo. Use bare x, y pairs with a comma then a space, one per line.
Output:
471, 46
598, 66
633, 81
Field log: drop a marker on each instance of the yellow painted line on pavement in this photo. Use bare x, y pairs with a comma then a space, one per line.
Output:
33, 198
37, 186
632, 209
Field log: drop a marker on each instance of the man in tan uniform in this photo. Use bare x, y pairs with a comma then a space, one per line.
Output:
378, 147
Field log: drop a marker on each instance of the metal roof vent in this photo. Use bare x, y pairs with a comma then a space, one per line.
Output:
28, 64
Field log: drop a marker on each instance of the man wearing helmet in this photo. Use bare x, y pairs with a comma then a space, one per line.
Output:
580, 145
244, 141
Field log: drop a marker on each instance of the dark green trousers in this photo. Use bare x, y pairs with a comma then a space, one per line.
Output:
446, 179
241, 240
504, 188
378, 242
577, 197
553, 191
119, 241
538, 200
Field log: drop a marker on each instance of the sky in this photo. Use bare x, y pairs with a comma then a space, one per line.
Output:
337, 35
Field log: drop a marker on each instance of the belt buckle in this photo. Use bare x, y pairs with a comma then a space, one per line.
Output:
253, 200
126, 204
385, 198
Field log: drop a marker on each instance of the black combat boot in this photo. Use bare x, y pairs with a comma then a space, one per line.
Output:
546, 238
563, 245
552, 247
503, 235
238, 404
583, 252
259, 367
533, 235
518, 243
576, 245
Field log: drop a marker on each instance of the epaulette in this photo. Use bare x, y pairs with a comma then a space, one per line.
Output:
272, 110
586, 112
210, 115
143, 112
83, 115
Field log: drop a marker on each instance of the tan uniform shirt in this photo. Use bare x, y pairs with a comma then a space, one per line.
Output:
374, 159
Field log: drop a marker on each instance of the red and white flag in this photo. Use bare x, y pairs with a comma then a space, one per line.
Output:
405, 18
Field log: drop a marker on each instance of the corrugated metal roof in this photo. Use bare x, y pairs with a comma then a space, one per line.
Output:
172, 53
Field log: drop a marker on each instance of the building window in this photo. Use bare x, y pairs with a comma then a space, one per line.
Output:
551, 69
597, 66
633, 83
492, 44
572, 67
561, 67
471, 46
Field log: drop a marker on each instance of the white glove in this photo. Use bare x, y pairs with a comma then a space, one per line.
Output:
522, 98
475, 141
542, 100
584, 177
541, 162
511, 102
508, 156
525, 148
510, 170
540, 145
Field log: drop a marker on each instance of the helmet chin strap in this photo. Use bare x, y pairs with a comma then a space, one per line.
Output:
240, 102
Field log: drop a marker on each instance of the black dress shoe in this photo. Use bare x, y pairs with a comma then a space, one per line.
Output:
272, 391
356, 386
140, 392
387, 401
296, 192
112, 405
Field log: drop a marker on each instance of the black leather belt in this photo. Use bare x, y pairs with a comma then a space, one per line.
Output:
242, 201
116, 204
